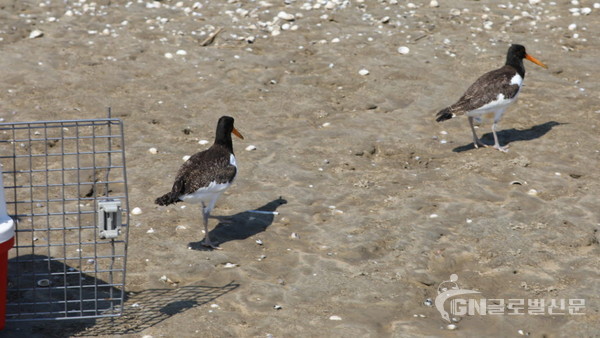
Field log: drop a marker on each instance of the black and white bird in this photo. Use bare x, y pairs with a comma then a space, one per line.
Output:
492, 93
206, 175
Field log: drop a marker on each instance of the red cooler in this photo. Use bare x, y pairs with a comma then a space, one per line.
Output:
7, 240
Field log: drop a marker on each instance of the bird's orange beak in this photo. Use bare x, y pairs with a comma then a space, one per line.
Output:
536, 61
237, 133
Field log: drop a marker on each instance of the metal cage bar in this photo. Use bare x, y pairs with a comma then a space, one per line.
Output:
57, 174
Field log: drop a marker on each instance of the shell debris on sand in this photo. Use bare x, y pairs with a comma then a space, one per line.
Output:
250, 147
335, 317
44, 282
153, 151
136, 211
286, 16
203, 142
229, 265
168, 280
363, 72
403, 50
36, 33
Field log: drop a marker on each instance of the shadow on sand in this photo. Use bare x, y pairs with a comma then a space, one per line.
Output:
142, 310
512, 135
243, 225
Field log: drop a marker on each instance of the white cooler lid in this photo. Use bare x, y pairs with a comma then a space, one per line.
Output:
7, 225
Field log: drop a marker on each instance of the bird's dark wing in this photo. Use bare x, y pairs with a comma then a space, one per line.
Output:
486, 89
203, 168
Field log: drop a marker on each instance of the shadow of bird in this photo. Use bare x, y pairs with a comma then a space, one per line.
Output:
513, 135
243, 225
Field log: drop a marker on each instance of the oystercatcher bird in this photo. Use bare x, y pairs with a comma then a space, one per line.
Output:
206, 175
492, 93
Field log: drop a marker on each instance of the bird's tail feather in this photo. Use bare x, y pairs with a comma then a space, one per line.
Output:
168, 198
444, 114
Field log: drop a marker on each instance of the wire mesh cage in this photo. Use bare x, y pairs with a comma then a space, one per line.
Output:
66, 188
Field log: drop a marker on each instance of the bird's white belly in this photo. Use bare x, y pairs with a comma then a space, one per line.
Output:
207, 194
496, 106
500, 104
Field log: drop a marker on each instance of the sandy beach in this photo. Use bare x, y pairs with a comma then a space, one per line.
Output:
374, 204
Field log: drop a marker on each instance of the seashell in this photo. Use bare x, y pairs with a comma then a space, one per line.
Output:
335, 318
136, 211
229, 265
452, 326
286, 16
181, 52
153, 151
403, 50
363, 72
250, 148
44, 283
36, 33
203, 142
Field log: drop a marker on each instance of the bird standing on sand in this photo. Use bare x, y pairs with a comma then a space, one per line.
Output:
492, 93
206, 175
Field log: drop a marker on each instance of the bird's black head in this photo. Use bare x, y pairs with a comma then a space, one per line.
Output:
224, 130
518, 51
516, 54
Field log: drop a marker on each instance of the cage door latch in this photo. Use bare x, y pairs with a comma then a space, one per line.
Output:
109, 218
